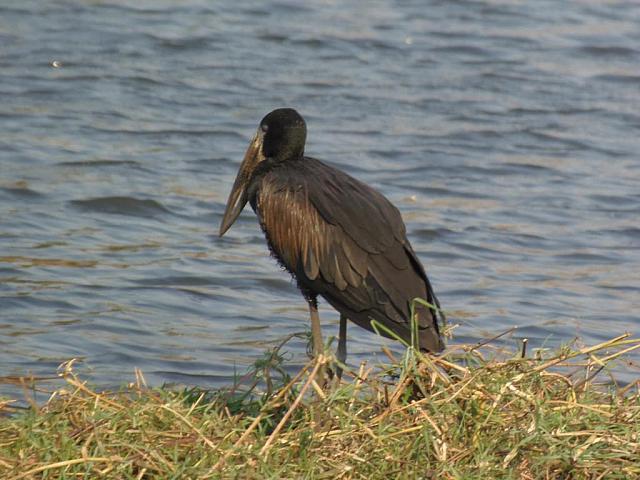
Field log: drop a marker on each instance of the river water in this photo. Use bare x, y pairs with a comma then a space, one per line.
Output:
506, 132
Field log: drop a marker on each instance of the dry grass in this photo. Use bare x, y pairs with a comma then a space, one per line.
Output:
459, 416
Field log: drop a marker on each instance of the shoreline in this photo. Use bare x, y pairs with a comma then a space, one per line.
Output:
460, 415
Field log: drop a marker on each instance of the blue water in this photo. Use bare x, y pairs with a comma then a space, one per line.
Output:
506, 132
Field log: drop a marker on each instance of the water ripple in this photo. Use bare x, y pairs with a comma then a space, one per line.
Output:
121, 206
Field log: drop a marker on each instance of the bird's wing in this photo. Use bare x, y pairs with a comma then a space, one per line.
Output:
366, 229
364, 214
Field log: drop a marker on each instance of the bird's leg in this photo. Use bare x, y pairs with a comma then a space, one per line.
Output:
316, 332
341, 354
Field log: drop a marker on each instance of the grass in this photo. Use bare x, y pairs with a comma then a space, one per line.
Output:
464, 415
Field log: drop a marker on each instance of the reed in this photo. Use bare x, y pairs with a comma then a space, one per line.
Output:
466, 414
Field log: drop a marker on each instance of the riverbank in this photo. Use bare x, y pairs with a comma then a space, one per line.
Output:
463, 415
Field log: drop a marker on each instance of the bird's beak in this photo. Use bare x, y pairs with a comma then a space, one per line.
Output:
238, 197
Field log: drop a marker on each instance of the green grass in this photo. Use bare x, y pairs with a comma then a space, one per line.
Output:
459, 416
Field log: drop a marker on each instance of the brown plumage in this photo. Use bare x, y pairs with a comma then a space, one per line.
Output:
338, 237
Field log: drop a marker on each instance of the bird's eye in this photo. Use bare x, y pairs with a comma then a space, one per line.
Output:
264, 127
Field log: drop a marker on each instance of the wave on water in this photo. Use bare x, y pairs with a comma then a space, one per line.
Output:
130, 206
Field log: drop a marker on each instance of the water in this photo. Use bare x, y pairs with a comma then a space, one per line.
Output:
507, 133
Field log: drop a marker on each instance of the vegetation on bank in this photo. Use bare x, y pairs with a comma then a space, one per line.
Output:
460, 416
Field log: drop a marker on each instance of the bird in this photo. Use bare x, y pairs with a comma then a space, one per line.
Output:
339, 238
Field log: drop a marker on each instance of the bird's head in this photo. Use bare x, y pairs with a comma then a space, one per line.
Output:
280, 137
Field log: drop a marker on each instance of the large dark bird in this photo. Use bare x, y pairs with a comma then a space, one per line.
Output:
338, 237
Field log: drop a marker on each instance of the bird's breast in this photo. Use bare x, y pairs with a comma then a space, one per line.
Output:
291, 224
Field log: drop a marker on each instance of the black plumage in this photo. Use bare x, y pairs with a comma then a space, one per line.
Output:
338, 237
